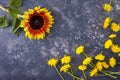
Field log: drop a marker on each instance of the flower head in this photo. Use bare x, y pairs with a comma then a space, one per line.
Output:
115, 48
79, 50
37, 22
52, 62
107, 7
112, 62
100, 57
94, 72
99, 66
66, 59
65, 68
108, 44
105, 65
106, 22
112, 36
115, 27
82, 67
87, 60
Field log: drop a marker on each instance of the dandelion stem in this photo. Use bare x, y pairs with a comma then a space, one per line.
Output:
107, 74
75, 76
118, 62
85, 55
59, 73
110, 1
6, 10
72, 73
84, 75
113, 72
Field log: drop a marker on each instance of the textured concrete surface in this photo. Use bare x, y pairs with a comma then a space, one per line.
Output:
77, 22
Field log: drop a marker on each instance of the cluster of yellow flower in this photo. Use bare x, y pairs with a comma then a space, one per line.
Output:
115, 27
97, 65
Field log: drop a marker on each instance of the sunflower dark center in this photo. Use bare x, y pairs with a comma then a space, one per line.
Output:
36, 22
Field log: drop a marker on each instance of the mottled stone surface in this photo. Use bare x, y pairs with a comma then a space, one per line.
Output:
77, 22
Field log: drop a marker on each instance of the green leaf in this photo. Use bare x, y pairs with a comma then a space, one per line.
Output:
14, 12
15, 3
4, 22
16, 26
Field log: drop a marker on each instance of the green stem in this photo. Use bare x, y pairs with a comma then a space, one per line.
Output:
59, 73
91, 65
16, 29
110, 1
75, 76
85, 54
107, 74
6, 10
118, 62
84, 75
113, 72
72, 73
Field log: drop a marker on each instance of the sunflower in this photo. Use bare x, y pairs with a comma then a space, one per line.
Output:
37, 22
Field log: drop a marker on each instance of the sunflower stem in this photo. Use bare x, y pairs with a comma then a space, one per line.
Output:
84, 75
6, 10
107, 74
59, 73
75, 76
16, 29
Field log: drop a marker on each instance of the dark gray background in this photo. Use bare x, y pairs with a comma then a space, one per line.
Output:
77, 22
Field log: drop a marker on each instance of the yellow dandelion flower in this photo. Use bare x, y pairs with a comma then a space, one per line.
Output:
105, 65
87, 60
100, 57
108, 43
112, 36
66, 59
115, 48
94, 72
107, 7
106, 22
52, 62
112, 62
65, 68
99, 66
79, 50
119, 54
82, 67
115, 27
37, 22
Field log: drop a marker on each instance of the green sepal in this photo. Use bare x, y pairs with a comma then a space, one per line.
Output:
16, 26
4, 22
15, 3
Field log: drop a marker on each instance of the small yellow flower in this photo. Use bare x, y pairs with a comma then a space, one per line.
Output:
94, 72
112, 36
52, 62
115, 48
115, 27
106, 22
99, 66
100, 57
108, 44
87, 60
112, 62
105, 65
119, 54
66, 59
65, 68
79, 50
82, 67
107, 7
